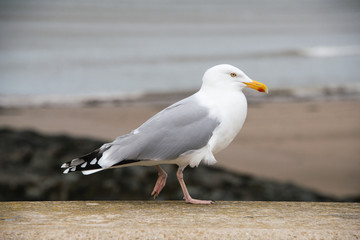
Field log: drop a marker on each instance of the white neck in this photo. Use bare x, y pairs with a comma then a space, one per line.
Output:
230, 108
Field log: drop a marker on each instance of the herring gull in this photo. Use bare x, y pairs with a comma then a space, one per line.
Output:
186, 133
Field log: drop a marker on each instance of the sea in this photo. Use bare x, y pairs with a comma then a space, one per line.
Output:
65, 51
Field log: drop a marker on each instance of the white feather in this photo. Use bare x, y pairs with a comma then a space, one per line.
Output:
88, 172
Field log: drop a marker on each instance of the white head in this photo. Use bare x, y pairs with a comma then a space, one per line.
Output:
225, 76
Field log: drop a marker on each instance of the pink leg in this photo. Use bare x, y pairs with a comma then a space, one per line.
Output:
160, 183
187, 197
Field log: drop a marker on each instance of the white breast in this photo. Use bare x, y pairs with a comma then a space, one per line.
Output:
230, 109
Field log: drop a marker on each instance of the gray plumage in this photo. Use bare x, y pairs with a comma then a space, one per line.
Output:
182, 127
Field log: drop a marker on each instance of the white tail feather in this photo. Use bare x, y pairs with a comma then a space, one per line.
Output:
88, 172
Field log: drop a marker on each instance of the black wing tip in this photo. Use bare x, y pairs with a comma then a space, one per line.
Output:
66, 171
85, 162
126, 161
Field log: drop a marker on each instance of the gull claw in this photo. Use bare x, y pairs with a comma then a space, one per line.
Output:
160, 183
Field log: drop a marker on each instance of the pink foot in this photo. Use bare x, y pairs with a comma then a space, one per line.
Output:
187, 197
160, 183
197, 201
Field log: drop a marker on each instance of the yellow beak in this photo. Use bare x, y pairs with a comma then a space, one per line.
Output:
257, 86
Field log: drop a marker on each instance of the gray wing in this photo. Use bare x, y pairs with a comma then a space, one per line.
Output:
182, 127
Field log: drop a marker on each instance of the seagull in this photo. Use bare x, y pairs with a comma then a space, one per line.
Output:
186, 133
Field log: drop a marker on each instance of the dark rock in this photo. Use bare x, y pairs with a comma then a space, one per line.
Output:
30, 170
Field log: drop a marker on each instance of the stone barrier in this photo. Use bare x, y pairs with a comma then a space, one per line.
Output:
178, 220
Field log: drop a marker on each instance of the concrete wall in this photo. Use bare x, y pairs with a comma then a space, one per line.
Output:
178, 220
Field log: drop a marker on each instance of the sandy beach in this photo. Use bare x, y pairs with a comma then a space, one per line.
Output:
315, 144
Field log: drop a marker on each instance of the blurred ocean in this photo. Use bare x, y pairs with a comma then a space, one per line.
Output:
73, 49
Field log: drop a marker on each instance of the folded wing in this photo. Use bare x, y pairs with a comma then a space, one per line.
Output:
178, 129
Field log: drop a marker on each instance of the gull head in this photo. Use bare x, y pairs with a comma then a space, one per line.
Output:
225, 76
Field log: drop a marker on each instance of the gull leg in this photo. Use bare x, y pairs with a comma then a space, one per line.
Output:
187, 197
160, 183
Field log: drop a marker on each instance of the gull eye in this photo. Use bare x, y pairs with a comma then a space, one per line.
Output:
233, 74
